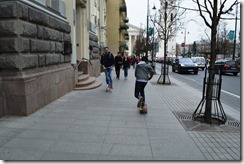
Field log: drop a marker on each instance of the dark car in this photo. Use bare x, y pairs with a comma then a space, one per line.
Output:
184, 65
227, 66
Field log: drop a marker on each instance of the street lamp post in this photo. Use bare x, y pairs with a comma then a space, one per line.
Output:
147, 38
153, 47
184, 50
234, 48
147, 30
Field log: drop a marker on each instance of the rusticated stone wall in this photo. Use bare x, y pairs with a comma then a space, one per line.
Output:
34, 67
1, 98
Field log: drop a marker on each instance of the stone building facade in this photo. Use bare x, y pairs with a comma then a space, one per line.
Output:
35, 55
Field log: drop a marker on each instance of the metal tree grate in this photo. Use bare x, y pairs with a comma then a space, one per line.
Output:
185, 118
234, 124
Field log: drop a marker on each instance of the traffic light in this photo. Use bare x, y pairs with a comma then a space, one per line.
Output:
150, 31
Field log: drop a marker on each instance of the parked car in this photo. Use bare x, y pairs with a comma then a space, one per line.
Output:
184, 65
227, 66
201, 62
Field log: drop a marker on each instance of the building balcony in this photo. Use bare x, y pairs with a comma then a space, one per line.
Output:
123, 46
124, 27
126, 34
123, 9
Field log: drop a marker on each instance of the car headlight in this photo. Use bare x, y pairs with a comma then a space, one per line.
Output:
182, 65
196, 65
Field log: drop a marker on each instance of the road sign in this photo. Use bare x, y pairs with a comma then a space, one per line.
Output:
231, 34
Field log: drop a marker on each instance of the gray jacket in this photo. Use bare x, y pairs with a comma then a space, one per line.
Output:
143, 71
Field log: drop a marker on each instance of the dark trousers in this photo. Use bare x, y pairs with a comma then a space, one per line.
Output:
117, 71
139, 90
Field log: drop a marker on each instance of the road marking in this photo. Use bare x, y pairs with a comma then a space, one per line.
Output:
221, 89
230, 93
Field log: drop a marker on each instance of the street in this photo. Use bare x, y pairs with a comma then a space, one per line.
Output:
230, 90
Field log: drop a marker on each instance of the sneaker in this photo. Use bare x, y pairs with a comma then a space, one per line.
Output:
140, 109
107, 89
139, 104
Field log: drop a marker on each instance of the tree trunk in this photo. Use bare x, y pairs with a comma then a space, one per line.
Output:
209, 92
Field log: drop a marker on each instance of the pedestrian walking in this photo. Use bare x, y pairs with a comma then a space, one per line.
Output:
143, 73
133, 61
107, 61
118, 64
126, 66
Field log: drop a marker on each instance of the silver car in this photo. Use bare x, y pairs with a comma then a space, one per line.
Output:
200, 61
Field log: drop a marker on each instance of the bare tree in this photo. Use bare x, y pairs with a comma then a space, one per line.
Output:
140, 43
167, 26
211, 13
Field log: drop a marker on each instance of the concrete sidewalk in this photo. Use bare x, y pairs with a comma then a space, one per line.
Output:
98, 125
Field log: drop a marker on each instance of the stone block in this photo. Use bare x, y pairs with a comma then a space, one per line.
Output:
54, 92
66, 37
14, 88
40, 46
41, 60
41, 99
62, 88
8, 10
67, 58
52, 59
31, 86
52, 46
94, 69
8, 27
47, 95
43, 83
59, 25
38, 17
28, 29
59, 48
29, 61
16, 105
1, 99
10, 61
62, 76
25, 45
23, 11
40, 32
9, 45
61, 58
50, 34
2, 112
31, 104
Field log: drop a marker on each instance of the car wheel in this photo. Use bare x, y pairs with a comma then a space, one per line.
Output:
235, 73
195, 72
173, 70
203, 69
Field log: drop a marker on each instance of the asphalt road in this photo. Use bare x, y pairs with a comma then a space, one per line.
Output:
230, 90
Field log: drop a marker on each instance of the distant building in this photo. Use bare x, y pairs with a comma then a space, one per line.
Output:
133, 32
116, 26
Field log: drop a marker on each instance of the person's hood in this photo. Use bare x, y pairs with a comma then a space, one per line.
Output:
141, 62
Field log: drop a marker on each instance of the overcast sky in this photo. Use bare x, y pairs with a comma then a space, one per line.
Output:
137, 14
